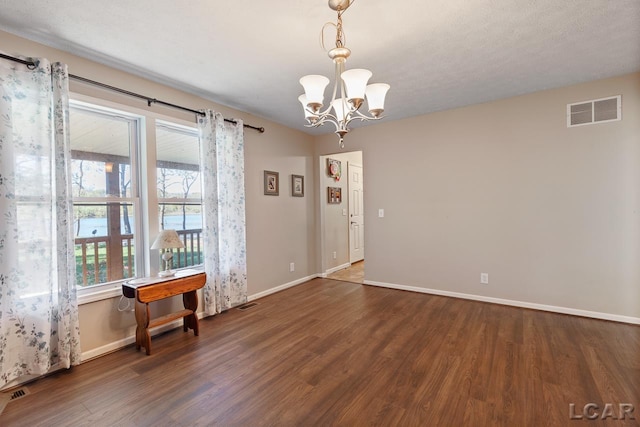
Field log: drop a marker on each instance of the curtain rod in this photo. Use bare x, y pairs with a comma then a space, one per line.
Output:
31, 65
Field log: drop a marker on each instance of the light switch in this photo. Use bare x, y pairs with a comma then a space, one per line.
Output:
344, 212
380, 213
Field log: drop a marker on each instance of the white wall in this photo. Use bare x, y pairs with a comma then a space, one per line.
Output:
551, 213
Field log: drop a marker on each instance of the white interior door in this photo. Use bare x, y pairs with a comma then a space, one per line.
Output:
356, 213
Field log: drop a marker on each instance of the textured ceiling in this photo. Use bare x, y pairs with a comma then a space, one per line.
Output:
436, 55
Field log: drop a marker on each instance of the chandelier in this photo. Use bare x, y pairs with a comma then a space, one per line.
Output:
349, 90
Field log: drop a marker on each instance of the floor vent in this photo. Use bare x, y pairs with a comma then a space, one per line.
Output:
247, 306
21, 392
5, 398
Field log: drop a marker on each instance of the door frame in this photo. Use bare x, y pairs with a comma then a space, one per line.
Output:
325, 261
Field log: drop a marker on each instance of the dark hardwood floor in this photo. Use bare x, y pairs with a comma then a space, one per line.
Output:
335, 353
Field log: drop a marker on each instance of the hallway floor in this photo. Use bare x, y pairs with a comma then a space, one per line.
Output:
353, 274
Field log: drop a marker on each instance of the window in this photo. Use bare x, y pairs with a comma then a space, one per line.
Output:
112, 173
179, 189
104, 147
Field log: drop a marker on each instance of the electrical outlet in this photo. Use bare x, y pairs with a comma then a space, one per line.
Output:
484, 278
292, 267
335, 255
380, 213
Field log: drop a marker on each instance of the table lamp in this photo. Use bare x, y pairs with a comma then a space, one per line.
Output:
167, 240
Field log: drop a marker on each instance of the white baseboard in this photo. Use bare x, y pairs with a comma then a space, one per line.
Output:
281, 287
334, 269
522, 304
117, 345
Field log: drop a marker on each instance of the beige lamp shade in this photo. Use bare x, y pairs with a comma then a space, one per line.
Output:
167, 239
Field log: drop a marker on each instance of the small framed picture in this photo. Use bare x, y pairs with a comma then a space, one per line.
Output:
297, 185
334, 168
271, 183
335, 195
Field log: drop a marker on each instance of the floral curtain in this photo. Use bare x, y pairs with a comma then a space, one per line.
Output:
222, 171
39, 328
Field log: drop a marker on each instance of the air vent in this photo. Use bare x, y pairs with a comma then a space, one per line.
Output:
247, 306
22, 392
7, 397
594, 111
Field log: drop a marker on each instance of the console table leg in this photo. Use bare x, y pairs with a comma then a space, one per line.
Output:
190, 301
143, 338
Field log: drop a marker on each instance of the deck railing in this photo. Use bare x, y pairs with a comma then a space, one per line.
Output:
94, 257
192, 252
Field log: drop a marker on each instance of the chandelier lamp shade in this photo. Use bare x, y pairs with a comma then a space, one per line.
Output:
350, 88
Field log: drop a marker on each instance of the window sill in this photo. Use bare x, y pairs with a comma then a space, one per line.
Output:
86, 296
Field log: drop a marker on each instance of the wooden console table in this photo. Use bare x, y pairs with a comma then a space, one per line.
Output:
150, 289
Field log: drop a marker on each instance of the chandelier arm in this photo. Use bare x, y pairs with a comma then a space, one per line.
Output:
349, 120
322, 113
333, 120
357, 115
316, 124
364, 117
323, 119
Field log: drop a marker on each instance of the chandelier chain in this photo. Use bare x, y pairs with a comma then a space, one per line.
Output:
341, 39
339, 33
